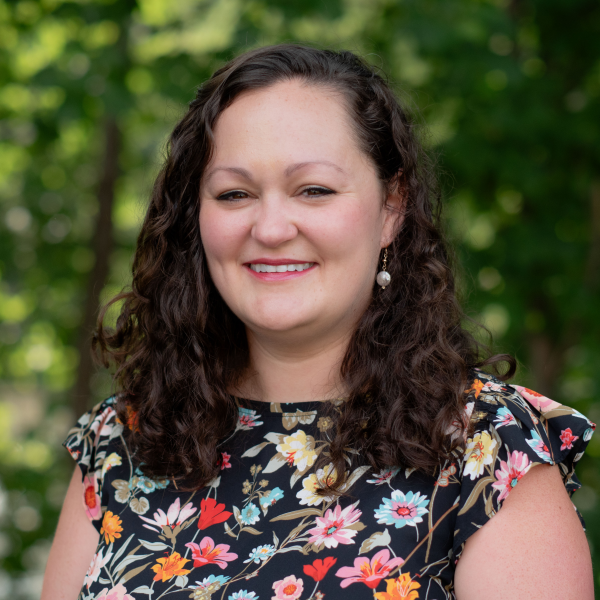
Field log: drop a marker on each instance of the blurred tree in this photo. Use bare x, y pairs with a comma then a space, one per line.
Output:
509, 91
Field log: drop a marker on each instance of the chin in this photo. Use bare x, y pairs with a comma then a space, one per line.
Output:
278, 312
276, 323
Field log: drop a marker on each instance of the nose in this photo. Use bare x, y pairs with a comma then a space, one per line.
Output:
274, 224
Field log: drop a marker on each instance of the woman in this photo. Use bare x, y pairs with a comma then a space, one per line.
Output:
300, 410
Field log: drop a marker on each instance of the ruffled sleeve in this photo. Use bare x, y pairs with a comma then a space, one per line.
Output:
90, 443
512, 430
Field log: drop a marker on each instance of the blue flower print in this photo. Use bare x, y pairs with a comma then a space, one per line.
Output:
250, 514
261, 553
504, 417
247, 419
146, 484
272, 497
402, 509
220, 579
243, 595
538, 445
384, 476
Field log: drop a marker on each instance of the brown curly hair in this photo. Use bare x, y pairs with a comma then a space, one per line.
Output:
179, 349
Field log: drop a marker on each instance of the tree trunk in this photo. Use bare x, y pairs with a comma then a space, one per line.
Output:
592, 275
102, 246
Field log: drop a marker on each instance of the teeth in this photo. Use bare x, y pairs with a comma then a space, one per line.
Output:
260, 268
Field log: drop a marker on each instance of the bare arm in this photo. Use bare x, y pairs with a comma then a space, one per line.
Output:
73, 548
534, 548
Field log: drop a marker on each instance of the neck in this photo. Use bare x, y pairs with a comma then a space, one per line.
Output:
294, 372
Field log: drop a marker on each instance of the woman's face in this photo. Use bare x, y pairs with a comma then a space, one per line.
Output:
292, 213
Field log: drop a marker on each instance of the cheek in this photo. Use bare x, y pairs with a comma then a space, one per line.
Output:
220, 234
352, 234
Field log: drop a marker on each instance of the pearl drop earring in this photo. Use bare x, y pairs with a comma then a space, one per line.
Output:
383, 277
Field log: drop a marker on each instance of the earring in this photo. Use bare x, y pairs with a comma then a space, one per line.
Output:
383, 277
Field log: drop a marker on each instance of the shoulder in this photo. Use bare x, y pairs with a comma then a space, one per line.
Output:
515, 414
512, 429
95, 427
97, 445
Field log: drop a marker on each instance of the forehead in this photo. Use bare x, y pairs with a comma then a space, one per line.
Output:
291, 118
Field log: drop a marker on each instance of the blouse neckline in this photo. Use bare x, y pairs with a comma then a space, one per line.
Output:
278, 409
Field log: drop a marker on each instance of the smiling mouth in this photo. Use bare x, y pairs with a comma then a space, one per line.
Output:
262, 268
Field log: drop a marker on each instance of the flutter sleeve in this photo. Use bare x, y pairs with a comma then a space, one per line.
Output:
512, 430
93, 445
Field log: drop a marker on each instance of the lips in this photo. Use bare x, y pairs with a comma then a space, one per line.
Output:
270, 268
266, 269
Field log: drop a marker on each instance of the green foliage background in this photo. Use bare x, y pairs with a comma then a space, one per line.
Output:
509, 91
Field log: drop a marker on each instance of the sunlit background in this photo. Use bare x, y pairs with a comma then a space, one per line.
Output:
89, 90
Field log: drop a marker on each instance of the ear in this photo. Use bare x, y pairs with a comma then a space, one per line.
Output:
393, 208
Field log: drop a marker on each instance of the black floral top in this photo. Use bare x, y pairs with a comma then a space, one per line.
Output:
260, 531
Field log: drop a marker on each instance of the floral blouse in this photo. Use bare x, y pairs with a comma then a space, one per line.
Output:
259, 530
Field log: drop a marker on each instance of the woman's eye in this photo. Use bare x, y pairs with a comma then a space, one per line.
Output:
317, 191
234, 195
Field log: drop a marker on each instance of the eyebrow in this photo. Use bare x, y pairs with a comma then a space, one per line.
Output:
289, 170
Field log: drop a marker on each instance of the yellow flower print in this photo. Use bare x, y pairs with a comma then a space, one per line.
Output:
111, 526
298, 450
112, 460
480, 452
308, 495
401, 588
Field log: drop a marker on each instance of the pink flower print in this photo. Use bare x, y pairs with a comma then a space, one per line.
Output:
510, 472
567, 438
208, 554
540, 402
490, 386
97, 564
225, 464
332, 529
288, 588
369, 572
116, 593
175, 516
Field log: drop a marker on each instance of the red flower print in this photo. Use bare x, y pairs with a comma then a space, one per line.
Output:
91, 498
225, 464
319, 568
532, 392
567, 438
212, 513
